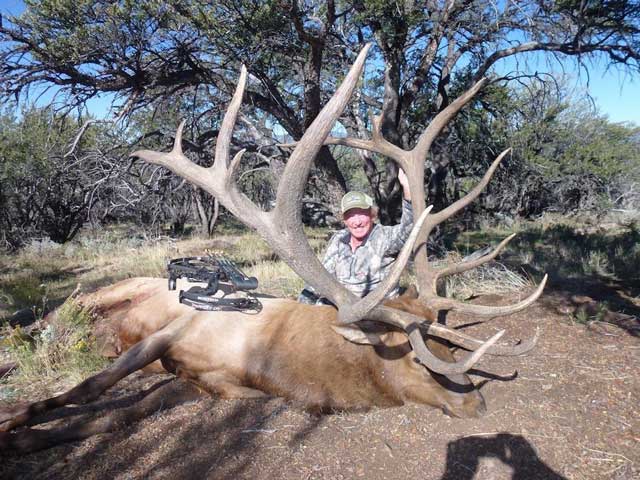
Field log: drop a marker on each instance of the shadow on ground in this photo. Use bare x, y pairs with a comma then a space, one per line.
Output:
464, 458
219, 445
593, 274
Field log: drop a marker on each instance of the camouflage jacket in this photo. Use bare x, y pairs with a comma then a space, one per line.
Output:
363, 269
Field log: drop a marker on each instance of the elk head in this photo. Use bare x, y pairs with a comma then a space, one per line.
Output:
282, 226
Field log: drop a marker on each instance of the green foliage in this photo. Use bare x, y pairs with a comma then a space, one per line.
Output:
583, 316
45, 189
58, 356
24, 292
565, 156
568, 251
26, 144
351, 166
182, 57
578, 141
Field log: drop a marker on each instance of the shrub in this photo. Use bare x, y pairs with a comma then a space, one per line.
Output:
55, 357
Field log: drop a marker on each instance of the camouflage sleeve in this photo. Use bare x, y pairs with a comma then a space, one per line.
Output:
331, 254
308, 294
396, 235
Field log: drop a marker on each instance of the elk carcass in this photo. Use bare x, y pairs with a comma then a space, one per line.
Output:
362, 353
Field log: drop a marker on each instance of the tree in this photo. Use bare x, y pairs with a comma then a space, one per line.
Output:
566, 156
434, 51
50, 176
590, 162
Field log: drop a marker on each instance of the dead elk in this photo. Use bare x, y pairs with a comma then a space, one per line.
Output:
365, 352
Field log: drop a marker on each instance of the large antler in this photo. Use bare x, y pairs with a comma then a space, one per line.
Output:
282, 226
412, 162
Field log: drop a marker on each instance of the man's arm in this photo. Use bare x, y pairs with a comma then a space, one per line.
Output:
396, 236
404, 183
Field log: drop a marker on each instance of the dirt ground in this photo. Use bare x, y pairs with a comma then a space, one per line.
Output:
569, 409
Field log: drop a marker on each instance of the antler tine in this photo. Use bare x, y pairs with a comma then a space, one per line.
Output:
425, 274
406, 321
412, 324
229, 174
359, 310
469, 343
285, 226
383, 147
175, 160
469, 265
378, 144
223, 140
419, 152
296, 172
441, 303
475, 192
438, 302
217, 179
432, 362
411, 161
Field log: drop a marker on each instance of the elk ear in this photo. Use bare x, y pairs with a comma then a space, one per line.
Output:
411, 292
355, 334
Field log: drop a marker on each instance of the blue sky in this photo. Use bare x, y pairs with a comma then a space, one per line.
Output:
615, 93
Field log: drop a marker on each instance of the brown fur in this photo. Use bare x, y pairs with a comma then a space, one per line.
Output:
287, 350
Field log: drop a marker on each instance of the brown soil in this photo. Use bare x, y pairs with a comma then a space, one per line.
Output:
569, 412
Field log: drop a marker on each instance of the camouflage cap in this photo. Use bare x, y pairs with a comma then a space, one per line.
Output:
355, 200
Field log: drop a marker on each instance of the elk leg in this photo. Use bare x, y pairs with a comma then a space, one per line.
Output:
167, 396
224, 385
154, 368
138, 356
228, 390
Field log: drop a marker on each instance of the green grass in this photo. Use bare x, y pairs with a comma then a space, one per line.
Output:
54, 358
565, 250
585, 316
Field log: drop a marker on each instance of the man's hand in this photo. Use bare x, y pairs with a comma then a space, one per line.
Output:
404, 182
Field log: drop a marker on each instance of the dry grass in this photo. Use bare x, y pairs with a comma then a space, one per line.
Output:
488, 279
492, 278
276, 278
56, 357
41, 276
50, 272
564, 248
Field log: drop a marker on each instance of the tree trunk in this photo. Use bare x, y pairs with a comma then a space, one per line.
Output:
207, 212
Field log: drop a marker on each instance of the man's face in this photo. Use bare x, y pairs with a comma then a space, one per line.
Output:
358, 222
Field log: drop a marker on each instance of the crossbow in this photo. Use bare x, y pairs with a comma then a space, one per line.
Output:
211, 270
